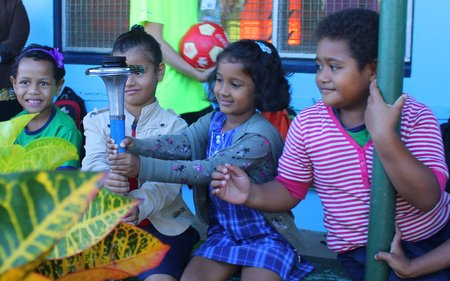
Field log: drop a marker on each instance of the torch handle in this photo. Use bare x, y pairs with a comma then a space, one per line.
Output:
118, 130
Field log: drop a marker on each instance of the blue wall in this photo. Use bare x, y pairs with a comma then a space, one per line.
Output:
429, 81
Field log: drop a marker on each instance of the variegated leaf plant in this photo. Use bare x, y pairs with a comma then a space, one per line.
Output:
40, 207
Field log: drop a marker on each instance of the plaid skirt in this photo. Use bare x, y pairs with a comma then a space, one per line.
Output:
270, 252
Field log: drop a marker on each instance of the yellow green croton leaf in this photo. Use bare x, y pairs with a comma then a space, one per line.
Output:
8, 156
24, 273
40, 208
102, 215
31, 276
40, 154
37, 209
11, 129
125, 252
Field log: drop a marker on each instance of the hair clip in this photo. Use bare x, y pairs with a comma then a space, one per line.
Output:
264, 47
137, 27
58, 56
54, 53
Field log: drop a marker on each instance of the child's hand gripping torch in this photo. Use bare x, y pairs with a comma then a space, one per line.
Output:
114, 73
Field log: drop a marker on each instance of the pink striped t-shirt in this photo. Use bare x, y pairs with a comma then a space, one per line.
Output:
319, 153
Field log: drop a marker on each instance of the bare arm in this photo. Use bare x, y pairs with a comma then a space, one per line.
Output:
414, 181
232, 184
435, 260
172, 58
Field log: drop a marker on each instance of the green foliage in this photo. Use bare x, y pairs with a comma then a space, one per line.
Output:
36, 209
41, 154
102, 215
125, 251
63, 213
11, 129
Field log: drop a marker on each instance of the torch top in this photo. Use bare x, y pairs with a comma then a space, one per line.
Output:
114, 65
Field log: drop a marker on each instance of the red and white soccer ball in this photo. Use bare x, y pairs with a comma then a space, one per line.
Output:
202, 43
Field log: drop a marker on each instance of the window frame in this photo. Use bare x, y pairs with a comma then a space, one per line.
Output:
291, 63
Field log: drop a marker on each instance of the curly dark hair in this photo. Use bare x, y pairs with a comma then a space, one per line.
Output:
358, 27
262, 62
38, 52
138, 38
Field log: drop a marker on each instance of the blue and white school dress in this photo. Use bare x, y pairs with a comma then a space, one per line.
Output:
240, 235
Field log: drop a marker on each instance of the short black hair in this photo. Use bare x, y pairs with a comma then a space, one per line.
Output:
39, 52
262, 62
137, 37
358, 27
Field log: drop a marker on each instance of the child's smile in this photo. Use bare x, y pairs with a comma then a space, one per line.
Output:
34, 102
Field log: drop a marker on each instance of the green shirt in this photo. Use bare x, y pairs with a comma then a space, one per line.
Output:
361, 137
177, 91
59, 125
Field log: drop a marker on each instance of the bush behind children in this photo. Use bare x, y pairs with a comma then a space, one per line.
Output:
330, 145
248, 77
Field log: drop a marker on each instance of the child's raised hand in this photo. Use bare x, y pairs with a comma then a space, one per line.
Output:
116, 183
396, 258
381, 118
124, 164
231, 184
202, 76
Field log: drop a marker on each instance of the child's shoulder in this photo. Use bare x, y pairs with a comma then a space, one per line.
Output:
155, 114
259, 125
414, 110
168, 113
98, 112
64, 120
411, 104
313, 112
258, 121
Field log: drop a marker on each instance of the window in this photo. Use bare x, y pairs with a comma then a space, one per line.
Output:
86, 29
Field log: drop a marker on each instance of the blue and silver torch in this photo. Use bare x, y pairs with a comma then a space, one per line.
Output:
114, 73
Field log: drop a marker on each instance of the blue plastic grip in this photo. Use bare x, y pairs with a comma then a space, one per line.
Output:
118, 132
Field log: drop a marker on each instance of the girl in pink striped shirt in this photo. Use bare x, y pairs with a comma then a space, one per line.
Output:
330, 146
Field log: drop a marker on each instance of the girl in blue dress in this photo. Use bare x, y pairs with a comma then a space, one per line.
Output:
248, 78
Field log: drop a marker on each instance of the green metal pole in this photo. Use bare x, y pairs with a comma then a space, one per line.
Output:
391, 52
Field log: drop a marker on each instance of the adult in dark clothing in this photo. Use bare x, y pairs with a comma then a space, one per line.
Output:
14, 31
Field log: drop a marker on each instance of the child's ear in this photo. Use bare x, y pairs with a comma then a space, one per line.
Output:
160, 71
59, 85
13, 80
